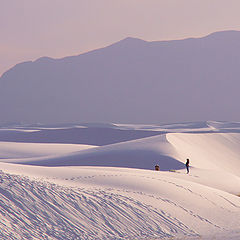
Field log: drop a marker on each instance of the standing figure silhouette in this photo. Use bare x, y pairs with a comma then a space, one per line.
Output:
187, 165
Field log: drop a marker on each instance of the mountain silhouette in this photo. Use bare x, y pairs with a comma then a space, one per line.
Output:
132, 80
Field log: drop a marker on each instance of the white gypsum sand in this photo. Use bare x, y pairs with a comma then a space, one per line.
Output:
50, 192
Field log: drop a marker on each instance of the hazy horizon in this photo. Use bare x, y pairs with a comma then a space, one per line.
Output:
58, 28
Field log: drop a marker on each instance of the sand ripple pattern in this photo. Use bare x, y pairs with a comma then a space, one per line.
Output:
32, 209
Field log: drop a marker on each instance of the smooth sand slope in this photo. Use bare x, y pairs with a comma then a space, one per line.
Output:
75, 191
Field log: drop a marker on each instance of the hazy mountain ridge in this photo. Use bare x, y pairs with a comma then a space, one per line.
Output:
130, 81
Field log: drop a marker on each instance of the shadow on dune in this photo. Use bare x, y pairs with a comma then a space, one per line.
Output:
89, 136
142, 159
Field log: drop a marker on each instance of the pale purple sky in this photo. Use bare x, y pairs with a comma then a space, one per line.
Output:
34, 28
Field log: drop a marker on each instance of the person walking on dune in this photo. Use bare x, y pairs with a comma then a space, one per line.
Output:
187, 165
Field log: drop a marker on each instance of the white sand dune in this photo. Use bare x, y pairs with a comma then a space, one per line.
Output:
67, 191
143, 153
111, 203
28, 150
219, 151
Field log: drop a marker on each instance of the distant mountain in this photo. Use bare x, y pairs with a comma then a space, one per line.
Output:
132, 80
